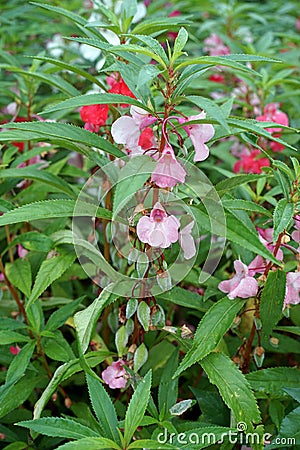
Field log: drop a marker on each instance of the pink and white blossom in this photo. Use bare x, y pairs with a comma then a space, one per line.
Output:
168, 171
199, 135
114, 375
142, 117
292, 288
158, 230
241, 285
187, 242
126, 131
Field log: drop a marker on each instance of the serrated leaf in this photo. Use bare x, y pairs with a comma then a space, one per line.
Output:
59, 427
96, 443
19, 274
185, 298
97, 99
231, 183
180, 407
283, 215
85, 320
137, 407
131, 307
35, 241
179, 44
168, 387
272, 299
289, 432
153, 44
140, 357
132, 178
273, 381
64, 372
58, 348
61, 131
236, 231
16, 394
42, 176
20, 363
214, 324
51, 269
121, 339
104, 408
11, 337
246, 205
59, 317
212, 109
143, 314
233, 387
49, 209
151, 444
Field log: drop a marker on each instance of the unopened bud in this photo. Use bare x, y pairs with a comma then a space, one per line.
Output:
68, 402
259, 351
2, 436
285, 239
132, 348
54, 397
274, 341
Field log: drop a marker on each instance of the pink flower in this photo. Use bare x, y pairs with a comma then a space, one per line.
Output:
272, 114
214, 46
251, 163
168, 171
296, 233
187, 242
114, 375
94, 116
127, 132
258, 265
142, 117
241, 285
14, 349
266, 237
199, 134
292, 288
158, 230
22, 252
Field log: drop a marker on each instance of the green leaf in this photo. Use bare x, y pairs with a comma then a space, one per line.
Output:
96, 99
58, 427
58, 348
236, 231
16, 394
42, 176
121, 339
132, 178
272, 300
104, 409
168, 387
293, 330
20, 363
131, 307
153, 44
185, 298
283, 215
273, 381
85, 321
233, 387
140, 357
294, 393
19, 274
90, 444
143, 314
214, 324
64, 372
51, 269
289, 432
137, 407
220, 61
34, 241
11, 337
44, 131
231, 183
212, 109
246, 205
151, 444
59, 317
49, 209
179, 44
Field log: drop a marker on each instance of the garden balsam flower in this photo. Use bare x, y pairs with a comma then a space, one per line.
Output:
168, 171
94, 116
292, 289
214, 46
251, 163
242, 285
273, 114
114, 375
199, 135
187, 242
159, 230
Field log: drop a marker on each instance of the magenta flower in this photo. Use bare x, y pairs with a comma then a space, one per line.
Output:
168, 171
187, 242
214, 46
266, 237
292, 288
272, 114
241, 285
199, 134
258, 265
114, 375
296, 233
22, 252
14, 349
158, 230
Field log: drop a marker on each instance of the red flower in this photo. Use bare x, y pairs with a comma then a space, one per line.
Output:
94, 116
251, 163
147, 139
217, 78
118, 86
